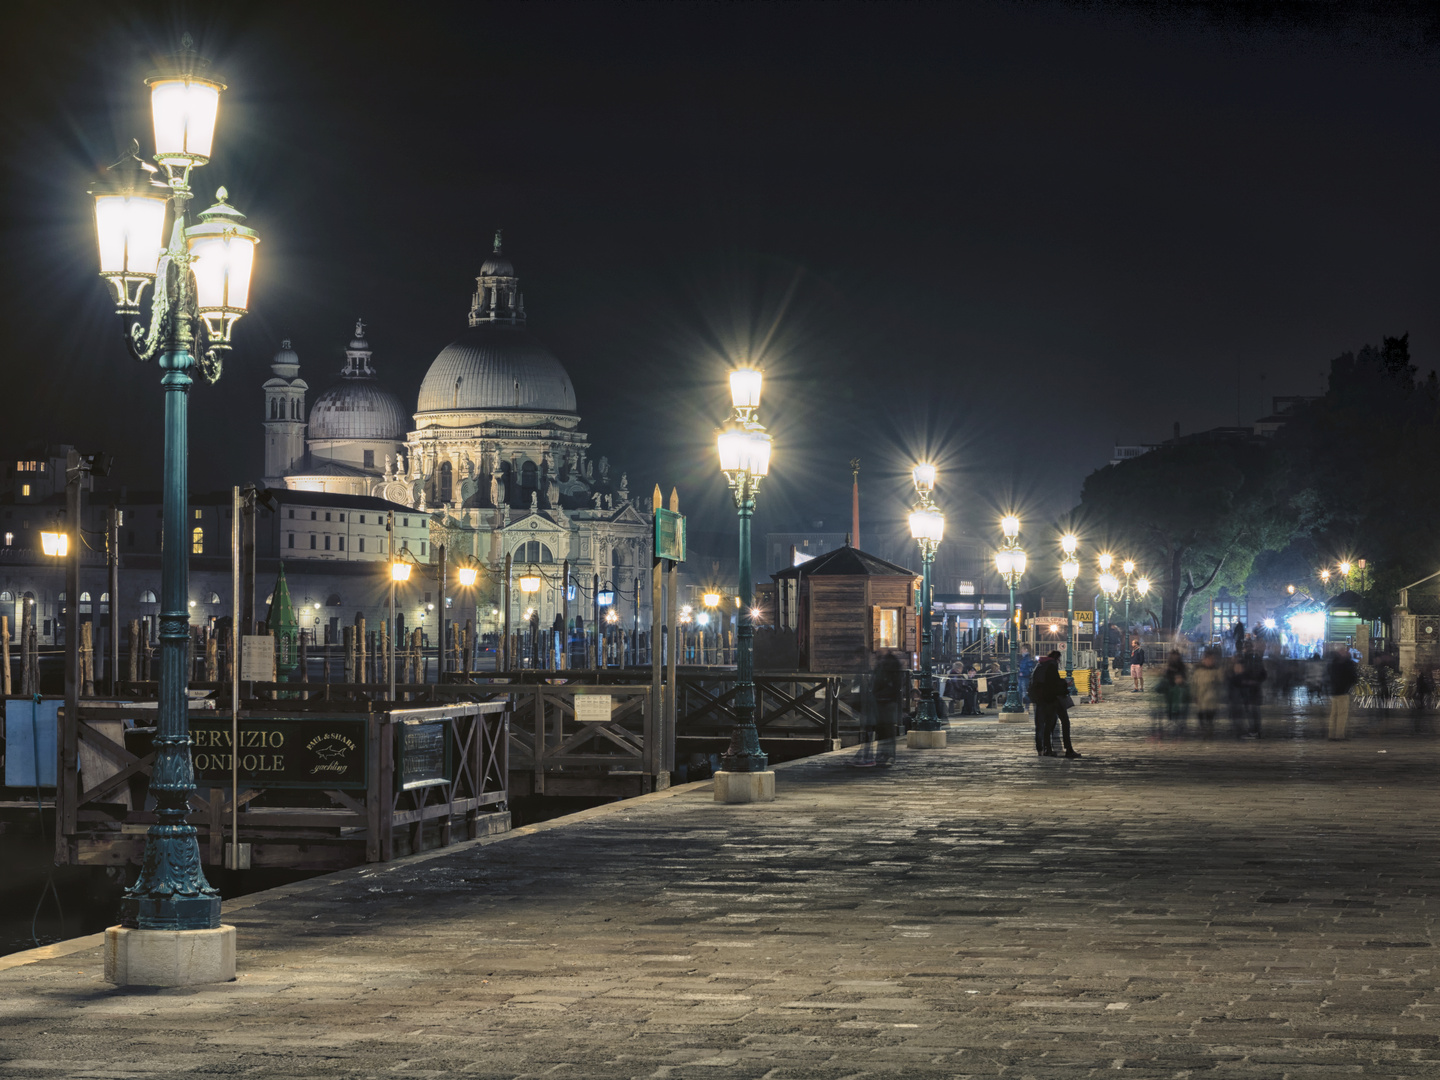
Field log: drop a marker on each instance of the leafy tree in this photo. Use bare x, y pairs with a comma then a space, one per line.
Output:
1197, 511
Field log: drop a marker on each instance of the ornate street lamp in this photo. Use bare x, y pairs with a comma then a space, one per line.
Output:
1010, 562
927, 526
1070, 572
467, 573
744, 448
202, 279
1109, 583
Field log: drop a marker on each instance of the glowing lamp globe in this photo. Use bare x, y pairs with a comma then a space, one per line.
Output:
744, 449
223, 253
927, 525
467, 575
400, 570
1345, 569
611, 617
1019, 562
1069, 570
1004, 561
184, 103
129, 227
712, 599
703, 618
1142, 586
924, 477
529, 583
1068, 543
1010, 526
55, 544
605, 597
1128, 566
745, 388
1109, 583
1106, 559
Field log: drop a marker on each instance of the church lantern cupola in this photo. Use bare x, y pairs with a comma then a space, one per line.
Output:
497, 291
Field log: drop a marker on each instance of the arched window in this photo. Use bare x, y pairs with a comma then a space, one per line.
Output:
214, 598
333, 600
197, 541
85, 598
274, 413
104, 597
528, 474
534, 552
447, 481
147, 597
7, 597
295, 409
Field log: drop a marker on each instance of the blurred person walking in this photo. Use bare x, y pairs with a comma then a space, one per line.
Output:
1174, 685
1342, 672
1252, 684
1206, 680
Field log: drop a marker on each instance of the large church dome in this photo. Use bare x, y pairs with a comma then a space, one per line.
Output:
495, 366
358, 407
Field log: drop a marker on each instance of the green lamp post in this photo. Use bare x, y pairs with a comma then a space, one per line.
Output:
1070, 572
927, 526
744, 448
1010, 562
202, 280
1109, 584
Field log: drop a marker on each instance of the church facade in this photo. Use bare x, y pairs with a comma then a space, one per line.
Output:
493, 455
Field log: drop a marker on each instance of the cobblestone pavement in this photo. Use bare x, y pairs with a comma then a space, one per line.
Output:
1168, 908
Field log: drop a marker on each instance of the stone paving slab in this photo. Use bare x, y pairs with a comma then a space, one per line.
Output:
1171, 908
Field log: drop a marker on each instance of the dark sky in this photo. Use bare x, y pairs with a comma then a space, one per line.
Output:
1005, 235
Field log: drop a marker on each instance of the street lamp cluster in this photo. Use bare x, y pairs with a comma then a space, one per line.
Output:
201, 279
927, 526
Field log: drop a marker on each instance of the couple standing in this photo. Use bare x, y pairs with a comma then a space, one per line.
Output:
1051, 697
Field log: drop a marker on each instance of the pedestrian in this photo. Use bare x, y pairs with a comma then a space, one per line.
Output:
1063, 703
1137, 665
889, 690
1205, 682
1423, 698
1343, 672
1027, 668
1175, 687
1252, 681
1047, 688
1237, 632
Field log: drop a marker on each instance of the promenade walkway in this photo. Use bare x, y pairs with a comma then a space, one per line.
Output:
1156, 909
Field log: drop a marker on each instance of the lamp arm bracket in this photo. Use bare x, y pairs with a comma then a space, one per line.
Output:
210, 365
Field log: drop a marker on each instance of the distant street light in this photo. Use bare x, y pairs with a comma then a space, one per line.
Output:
1109, 585
1010, 562
744, 447
401, 563
56, 545
927, 526
1070, 572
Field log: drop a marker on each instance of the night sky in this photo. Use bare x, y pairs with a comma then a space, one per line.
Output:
1003, 235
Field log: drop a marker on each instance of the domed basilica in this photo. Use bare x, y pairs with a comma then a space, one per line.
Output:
495, 455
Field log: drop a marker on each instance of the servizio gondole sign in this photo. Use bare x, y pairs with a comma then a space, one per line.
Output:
314, 752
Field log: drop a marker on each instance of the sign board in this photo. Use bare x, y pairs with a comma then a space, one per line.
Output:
422, 758
669, 535
592, 708
1084, 616
319, 753
257, 658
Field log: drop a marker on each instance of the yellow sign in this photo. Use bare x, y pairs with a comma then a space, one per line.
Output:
1084, 616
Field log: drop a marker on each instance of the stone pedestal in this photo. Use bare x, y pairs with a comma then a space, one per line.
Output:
916, 739
169, 957
743, 787
1021, 717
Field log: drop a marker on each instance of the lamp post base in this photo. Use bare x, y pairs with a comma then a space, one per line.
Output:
921, 739
169, 957
744, 787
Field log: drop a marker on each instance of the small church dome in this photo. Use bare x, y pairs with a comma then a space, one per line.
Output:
357, 409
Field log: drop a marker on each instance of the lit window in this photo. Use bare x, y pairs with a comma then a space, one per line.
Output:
25, 490
120, 518
214, 598
9, 539
197, 542
197, 515
887, 628
147, 597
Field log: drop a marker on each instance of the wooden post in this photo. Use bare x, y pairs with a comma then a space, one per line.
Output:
212, 659
87, 659
347, 636
134, 669
469, 645
5, 653
507, 658
672, 608
360, 672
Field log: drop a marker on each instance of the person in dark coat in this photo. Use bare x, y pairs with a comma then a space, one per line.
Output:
1343, 673
889, 690
1048, 692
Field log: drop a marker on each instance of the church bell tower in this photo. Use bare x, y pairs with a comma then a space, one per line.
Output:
284, 416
